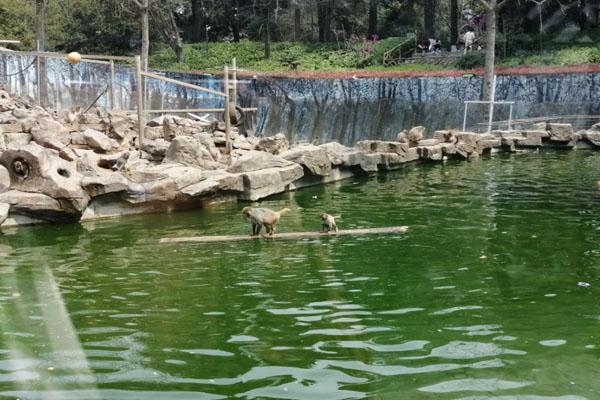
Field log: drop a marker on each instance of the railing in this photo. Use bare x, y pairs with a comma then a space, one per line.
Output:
58, 84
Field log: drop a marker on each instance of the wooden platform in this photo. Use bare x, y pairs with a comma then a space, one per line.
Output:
284, 236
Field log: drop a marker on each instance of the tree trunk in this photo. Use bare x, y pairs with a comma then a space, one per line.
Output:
197, 28
297, 24
235, 23
145, 34
453, 22
40, 38
490, 51
267, 29
373, 8
324, 20
429, 18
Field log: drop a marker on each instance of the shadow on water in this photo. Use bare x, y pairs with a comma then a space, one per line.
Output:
491, 294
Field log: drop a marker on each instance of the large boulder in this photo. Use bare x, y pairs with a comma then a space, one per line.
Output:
37, 205
104, 183
265, 182
560, 132
97, 140
592, 136
340, 155
4, 208
380, 146
4, 179
257, 160
50, 133
35, 169
276, 144
188, 150
2, 143
156, 148
311, 157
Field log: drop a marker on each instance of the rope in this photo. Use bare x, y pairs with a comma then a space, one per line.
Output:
21, 71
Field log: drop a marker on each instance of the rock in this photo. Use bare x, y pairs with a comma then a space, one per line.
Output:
157, 148
4, 179
46, 130
380, 146
596, 127
2, 143
4, 208
432, 152
469, 138
592, 136
207, 141
339, 154
446, 136
402, 137
201, 188
265, 182
560, 132
273, 144
528, 133
311, 157
153, 133
415, 134
428, 142
104, 183
37, 205
15, 140
256, 161
11, 128
33, 168
241, 142
189, 151
97, 140
369, 162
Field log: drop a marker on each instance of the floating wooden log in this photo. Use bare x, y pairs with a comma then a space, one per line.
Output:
284, 235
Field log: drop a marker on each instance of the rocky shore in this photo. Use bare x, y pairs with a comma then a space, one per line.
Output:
75, 166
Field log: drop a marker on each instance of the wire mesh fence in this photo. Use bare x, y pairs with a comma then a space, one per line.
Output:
56, 84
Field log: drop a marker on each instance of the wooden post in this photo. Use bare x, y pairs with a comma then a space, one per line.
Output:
140, 100
492, 100
227, 111
111, 85
38, 72
234, 76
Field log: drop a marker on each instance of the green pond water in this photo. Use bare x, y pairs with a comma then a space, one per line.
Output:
493, 293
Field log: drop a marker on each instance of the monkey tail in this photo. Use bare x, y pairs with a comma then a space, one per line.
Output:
285, 210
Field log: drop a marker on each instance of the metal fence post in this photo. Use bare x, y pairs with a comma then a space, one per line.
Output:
140, 100
226, 112
111, 86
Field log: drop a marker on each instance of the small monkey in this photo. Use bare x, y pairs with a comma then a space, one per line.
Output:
260, 217
328, 222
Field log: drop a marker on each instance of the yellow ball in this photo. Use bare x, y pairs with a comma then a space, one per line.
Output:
74, 57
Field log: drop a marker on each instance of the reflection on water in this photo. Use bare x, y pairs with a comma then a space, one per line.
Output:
481, 299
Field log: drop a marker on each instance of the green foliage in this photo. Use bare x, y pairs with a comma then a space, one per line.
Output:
470, 61
17, 20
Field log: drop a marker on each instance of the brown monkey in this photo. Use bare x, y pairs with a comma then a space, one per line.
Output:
260, 217
328, 222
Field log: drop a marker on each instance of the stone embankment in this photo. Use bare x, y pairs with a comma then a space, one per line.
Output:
77, 166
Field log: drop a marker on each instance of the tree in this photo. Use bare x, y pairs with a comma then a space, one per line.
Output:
492, 7
267, 28
373, 10
144, 8
168, 28
429, 18
453, 22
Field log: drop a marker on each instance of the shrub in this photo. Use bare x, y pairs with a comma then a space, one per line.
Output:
470, 61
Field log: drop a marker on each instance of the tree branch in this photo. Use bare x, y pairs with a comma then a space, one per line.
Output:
486, 5
137, 3
501, 4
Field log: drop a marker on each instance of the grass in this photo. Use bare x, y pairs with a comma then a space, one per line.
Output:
565, 49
